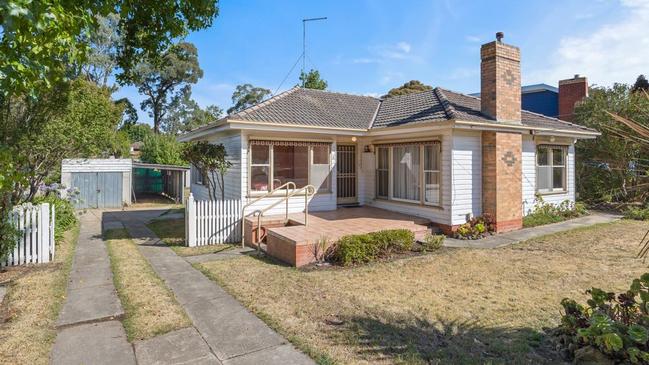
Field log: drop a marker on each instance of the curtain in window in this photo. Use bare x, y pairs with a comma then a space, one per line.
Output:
290, 163
405, 173
431, 173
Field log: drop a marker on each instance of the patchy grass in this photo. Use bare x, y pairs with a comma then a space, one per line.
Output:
150, 307
31, 307
534, 220
451, 306
172, 232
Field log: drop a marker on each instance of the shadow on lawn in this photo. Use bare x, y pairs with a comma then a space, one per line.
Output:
416, 340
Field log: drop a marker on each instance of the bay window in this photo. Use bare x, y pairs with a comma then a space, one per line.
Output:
274, 163
551, 168
409, 172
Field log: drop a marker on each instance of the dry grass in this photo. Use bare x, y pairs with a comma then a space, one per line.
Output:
32, 304
172, 232
150, 307
455, 305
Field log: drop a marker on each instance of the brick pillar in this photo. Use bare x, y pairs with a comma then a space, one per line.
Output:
502, 195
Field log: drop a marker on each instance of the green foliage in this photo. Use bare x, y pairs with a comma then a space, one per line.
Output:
641, 84
64, 210
615, 325
104, 41
162, 149
637, 213
245, 96
9, 176
211, 162
410, 87
137, 132
169, 78
312, 80
475, 228
546, 213
39, 39
431, 242
613, 167
184, 114
364, 248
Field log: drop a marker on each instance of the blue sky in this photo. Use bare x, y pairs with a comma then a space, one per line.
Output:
368, 47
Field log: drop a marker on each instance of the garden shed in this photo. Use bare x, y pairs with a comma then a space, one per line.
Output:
114, 183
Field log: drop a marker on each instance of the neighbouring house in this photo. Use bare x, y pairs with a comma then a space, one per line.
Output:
439, 155
552, 101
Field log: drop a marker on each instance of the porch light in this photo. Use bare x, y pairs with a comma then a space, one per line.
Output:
354, 139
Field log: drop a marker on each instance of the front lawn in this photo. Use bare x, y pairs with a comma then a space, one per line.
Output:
451, 306
172, 232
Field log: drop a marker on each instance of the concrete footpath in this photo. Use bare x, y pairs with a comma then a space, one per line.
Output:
234, 335
89, 327
509, 238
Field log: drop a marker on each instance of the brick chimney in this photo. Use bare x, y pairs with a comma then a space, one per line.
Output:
502, 194
500, 80
571, 91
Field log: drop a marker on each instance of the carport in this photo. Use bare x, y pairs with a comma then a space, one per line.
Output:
166, 180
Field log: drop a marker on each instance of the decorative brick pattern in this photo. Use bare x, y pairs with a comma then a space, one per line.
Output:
500, 82
501, 179
571, 92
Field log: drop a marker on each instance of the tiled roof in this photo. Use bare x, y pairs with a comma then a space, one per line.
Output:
308, 107
314, 108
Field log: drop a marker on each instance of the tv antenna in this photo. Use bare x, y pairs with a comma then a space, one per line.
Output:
304, 41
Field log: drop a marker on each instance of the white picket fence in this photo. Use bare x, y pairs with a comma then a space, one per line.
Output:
208, 222
36, 242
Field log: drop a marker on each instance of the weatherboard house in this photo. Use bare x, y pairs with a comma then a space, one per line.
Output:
437, 155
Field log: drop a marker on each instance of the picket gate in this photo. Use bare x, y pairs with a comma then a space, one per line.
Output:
36, 242
209, 222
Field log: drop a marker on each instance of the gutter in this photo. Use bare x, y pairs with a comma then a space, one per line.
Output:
534, 130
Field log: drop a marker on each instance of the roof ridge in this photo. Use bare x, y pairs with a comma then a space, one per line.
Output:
337, 93
249, 109
448, 107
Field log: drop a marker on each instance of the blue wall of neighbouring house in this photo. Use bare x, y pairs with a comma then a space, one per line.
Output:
543, 102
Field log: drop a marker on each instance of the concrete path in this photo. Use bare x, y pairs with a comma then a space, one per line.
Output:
89, 328
509, 238
233, 334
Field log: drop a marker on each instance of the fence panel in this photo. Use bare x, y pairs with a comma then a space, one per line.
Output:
35, 243
211, 222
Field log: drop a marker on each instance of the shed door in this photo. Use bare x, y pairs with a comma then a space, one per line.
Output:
98, 189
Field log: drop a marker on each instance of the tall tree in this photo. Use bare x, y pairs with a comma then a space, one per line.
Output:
102, 55
129, 114
410, 87
641, 84
245, 96
312, 80
39, 38
185, 114
211, 161
170, 78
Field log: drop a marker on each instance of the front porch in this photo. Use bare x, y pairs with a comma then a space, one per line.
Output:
294, 243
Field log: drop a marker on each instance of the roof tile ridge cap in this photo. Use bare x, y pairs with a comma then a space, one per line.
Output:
249, 109
376, 114
459, 93
339, 93
557, 119
448, 107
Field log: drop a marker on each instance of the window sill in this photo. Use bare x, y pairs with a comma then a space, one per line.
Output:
410, 204
544, 193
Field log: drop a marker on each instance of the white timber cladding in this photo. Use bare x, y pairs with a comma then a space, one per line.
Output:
529, 173
232, 179
318, 202
466, 175
123, 165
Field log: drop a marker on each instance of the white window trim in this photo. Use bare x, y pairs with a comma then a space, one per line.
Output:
551, 190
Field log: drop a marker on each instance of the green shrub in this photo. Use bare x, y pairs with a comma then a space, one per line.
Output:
364, 248
615, 325
64, 213
431, 242
546, 213
476, 228
641, 214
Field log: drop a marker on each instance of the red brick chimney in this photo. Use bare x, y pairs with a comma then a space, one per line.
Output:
502, 196
571, 91
500, 80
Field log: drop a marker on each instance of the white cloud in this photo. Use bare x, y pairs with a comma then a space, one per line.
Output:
472, 38
373, 95
615, 52
387, 52
404, 46
463, 73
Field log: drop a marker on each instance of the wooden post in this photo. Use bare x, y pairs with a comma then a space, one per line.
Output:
190, 222
44, 233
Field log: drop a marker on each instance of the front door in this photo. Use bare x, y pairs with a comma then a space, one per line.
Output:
346, 174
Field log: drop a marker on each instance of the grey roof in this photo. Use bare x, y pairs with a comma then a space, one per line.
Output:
314, 108
307, 107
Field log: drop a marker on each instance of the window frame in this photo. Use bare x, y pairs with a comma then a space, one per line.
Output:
270, 166
197, 176
421, 174
550, 153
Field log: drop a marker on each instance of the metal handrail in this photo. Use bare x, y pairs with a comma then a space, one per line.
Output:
243, 210
309, 190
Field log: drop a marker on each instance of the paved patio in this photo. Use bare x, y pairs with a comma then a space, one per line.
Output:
510, 238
